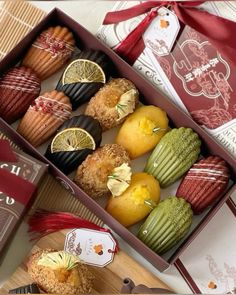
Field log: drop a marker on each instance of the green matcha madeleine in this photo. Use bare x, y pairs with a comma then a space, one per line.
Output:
176, 152
166, 225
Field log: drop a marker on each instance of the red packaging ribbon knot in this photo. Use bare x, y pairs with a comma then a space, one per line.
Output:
219, 31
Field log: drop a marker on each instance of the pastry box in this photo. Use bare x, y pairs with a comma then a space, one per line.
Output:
149, 95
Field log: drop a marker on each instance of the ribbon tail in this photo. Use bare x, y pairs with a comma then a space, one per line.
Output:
125, 14
218, 30
132, 46
44, 222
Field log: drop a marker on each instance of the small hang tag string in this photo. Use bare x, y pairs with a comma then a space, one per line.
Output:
44, 222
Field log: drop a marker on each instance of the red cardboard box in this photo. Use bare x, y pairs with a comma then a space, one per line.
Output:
150, 95
12, 210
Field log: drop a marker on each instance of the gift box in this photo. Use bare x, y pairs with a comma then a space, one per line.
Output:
193, 74
149, 93
21, 174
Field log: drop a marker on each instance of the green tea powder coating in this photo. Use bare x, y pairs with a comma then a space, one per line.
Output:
176, 152
166, 225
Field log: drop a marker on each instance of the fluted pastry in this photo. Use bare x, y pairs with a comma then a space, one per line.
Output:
18, 88
46, 114
50, 51
166, 225
68, 160
204, 183
175, 153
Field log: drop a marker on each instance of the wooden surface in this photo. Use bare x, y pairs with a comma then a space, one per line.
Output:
17, 19
107, 280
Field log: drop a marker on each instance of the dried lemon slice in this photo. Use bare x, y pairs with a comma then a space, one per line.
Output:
72, 139
83, 71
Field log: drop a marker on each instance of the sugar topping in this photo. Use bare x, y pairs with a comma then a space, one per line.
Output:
48, 105
208, 171
55, 46
21, 80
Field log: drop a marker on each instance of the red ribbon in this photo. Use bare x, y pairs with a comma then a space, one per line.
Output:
10, 184
219, 31
44, 222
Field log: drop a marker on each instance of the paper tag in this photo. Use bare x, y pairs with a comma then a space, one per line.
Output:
93, 247
162, 32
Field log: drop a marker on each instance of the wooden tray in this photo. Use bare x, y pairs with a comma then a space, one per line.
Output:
107, 280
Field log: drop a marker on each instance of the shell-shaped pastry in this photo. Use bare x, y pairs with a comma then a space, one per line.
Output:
176, 152
45, 115
166, 225
113, 103
81, 92
50, 51
18, 88
204, 183
67, 161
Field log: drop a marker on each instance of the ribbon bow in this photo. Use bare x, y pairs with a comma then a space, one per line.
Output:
219, 31
10, 184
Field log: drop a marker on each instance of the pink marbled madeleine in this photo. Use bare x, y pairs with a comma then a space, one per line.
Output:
18, 88
204, 183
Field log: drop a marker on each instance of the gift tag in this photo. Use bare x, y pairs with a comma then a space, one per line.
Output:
93, 247
162, 32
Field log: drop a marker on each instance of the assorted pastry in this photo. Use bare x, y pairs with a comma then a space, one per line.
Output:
113, 103
176, 152
50, 51
204, 183
75, 140
104, 166
105, 172
59, 272
167, 224
44, 116
147, 125
83, 77
18, 89
135, 203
